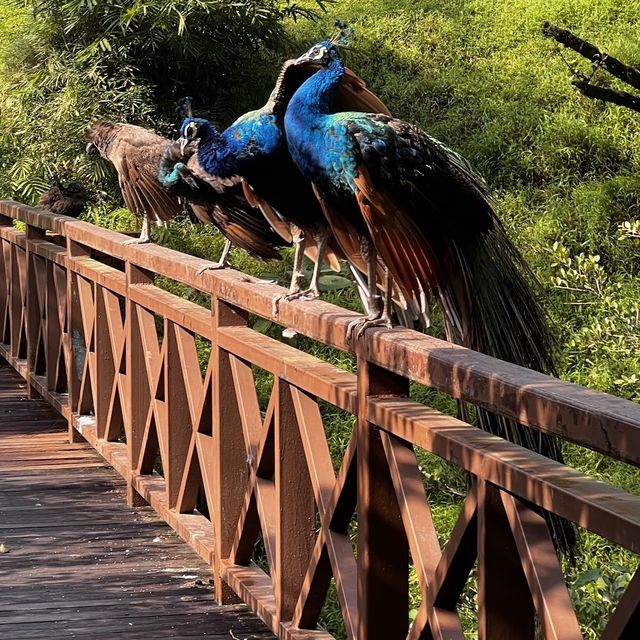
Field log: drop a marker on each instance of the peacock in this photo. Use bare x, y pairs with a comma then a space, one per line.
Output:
254, 149
417, 206
218, 201
64, 198
135, 152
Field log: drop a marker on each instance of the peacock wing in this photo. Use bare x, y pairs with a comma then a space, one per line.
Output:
136, 154
418, 199
353, 95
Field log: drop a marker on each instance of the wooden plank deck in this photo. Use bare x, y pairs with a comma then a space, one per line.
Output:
79, 562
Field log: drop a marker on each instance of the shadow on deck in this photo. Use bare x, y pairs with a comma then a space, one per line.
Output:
80, 563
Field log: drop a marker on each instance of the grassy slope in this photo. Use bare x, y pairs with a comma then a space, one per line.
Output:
479, 76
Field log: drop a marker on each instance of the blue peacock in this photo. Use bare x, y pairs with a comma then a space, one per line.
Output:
216, 200
418, 207
254, 150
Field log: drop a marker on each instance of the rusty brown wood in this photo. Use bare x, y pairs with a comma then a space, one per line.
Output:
542, 571
624, 624
383, 551
105, 372
591, 504
136, 389
34, 294
230, 454
569, 410
499, 570
296, 509
57, 337
85, 324
177, 429
5, 291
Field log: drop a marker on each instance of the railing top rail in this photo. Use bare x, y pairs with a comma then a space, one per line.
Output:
594, 419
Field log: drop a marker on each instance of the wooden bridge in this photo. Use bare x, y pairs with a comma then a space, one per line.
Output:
163, 391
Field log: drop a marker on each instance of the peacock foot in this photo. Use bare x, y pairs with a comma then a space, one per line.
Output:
362, 324
140, 240
211, 267
307, 294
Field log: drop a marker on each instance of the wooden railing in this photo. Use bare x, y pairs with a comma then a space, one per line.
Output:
84, 322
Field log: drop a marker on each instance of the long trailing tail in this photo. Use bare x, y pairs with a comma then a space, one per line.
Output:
506, 321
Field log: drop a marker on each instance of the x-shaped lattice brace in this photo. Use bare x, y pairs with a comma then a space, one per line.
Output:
198, 471
39, 331
50, 334
58, 339
88, 315
513, 545
177, 399
291, 487
5, 293
110, 375
18, 301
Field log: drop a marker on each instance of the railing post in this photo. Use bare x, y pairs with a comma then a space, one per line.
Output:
75, 334
231, 471
383, 550
505, 604
5, 281
180, 430
295, 510
104, 370
54, 331
136, 387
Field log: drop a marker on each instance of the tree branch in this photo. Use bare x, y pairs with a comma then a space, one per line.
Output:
629, 75
622, 98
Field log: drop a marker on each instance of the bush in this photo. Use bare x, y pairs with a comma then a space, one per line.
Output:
70, 62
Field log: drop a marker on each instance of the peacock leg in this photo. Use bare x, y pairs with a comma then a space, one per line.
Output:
375, 317
322, 240
222, 262
387, 300
361, 287
144, 233
297, 275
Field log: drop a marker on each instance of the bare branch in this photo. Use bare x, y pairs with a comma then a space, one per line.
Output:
622, 98
629, 75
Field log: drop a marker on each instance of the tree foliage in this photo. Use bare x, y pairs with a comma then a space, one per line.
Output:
73, 61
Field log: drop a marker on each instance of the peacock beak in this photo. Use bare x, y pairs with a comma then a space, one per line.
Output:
183, 144
302, 59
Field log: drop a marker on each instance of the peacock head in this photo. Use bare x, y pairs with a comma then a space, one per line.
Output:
321, 53
192, 129
73, 189
327, 50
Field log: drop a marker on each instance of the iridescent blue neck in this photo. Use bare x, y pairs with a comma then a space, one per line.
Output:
215, 153
315, 96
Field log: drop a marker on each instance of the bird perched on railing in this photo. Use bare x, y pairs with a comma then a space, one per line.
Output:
136, 152
215, 200
416, 204
254, 149
64, 198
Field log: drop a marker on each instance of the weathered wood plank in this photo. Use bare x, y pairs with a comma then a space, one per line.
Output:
82, 564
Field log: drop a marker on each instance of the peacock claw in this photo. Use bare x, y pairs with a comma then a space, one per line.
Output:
211, 267
366, 323
307, 294
136, 241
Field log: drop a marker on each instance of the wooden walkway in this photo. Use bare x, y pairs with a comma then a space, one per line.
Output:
79, 563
